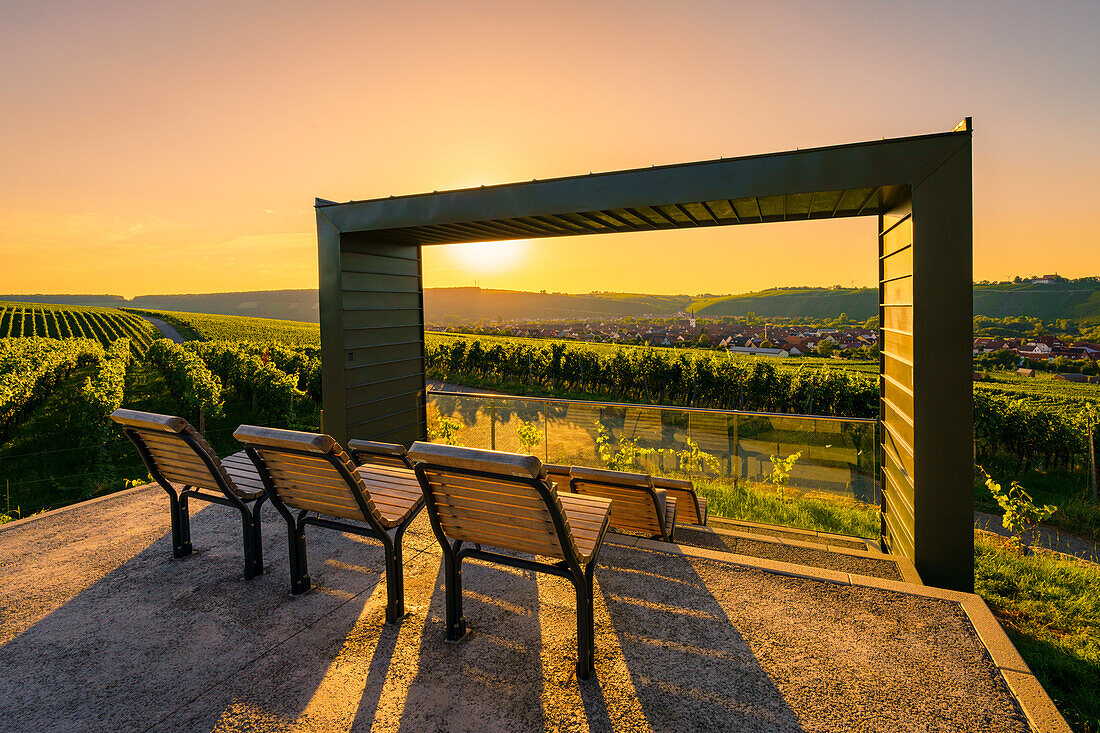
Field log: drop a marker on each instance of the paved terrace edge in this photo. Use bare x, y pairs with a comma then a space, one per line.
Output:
906, 569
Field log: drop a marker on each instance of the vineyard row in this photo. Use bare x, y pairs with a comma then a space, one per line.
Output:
100, 324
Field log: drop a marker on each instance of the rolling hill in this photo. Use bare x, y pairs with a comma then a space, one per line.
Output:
859, 303
1078, 300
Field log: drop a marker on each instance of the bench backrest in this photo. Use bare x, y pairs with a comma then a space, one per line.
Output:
379, 454
177, 451
492, 498
309, 471
636, 506
687, 503
558, 475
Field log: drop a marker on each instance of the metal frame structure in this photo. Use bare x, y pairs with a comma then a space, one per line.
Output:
919, 188
300, 581
181, 521
568, 568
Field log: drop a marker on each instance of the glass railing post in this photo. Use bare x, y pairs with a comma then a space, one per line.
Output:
736, 455
492, 425
546, 432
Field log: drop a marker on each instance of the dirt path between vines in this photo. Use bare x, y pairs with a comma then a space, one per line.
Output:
166, 329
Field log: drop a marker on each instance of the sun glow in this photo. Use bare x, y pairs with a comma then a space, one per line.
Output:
488, 257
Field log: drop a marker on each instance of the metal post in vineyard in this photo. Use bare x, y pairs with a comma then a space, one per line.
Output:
1092, 456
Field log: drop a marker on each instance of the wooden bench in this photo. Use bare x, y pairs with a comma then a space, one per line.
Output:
690, 507
558, 475
310, 472
504, 500
637, 506
177, 454
372, 452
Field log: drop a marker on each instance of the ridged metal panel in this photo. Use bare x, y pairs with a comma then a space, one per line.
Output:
383, 341
896, 381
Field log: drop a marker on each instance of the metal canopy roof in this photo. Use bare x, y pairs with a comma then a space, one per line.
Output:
819, 183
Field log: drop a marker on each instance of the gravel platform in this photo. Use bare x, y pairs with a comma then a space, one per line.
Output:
103, 630
872, 566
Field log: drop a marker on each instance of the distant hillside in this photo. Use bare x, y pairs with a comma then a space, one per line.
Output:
290, 305
444, 306
859, 303
1078, 300
1049, 302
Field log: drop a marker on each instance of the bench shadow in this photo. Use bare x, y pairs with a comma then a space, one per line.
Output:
134, 647
689, 665
487, 681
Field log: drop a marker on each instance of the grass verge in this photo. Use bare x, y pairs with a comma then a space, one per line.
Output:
1050, 607
762, 503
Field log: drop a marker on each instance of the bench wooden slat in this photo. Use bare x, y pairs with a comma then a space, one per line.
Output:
579, 508
484, 535
530, 531
499, 486
450, 485
166, 439
373, 459
291, 493
299, 463
480, 514
192, 478
322, 507
388, 484
181, 454
380, 470
181, 463
398, 504
502, 510
686, 513
499, 510
170, 445
333, 484
369, 475
397, 495
632, 509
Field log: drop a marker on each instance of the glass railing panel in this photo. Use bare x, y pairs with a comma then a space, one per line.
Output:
728, 454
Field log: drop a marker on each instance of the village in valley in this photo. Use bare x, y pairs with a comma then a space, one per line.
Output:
738, 336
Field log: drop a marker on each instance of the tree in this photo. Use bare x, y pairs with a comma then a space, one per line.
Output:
529, 435
781, 471
1020, 513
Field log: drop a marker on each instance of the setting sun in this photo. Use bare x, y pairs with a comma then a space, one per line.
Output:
488, 257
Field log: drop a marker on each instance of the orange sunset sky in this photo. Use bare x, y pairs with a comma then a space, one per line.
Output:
157, 147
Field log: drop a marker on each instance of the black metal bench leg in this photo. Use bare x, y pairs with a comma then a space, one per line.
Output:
584, 626
395, 581
253, 545
299, 568
452, 570
181, 525
591, 618
258, 546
